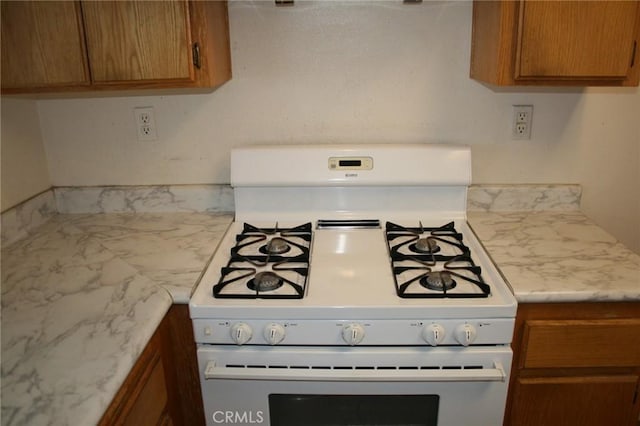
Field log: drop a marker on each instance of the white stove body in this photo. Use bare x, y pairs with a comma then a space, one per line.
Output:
351, 334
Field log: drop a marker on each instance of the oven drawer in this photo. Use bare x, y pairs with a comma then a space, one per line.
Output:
581, 343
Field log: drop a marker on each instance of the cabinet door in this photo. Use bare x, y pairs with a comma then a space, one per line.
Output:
138, 40
570, 343
147, 397
150, 404
42, 44
579, 401
576, 39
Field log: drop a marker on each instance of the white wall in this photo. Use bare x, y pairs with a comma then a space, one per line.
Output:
608, 128
24, 167
356, 72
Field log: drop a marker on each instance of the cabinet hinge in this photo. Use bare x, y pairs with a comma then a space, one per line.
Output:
633, 53
195, 52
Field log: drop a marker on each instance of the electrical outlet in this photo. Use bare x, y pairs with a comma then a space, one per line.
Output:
145, 123
522, 122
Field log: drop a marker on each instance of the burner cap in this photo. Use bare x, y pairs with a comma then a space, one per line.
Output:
265, 281
276, 245
438, 280
426, 245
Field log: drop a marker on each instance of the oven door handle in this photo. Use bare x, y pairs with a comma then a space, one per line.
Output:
496, 374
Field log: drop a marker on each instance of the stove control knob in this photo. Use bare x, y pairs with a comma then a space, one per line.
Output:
465, 334
241, 333
274, 333
353, 333
433, 334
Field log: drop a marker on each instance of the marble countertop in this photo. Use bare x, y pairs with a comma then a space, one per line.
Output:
81, 296
558, 256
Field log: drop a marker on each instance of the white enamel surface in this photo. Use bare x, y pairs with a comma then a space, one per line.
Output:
393, 165
558, 257
377, 332
295, 183
310, 203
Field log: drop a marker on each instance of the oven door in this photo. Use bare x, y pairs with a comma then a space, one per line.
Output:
293, 386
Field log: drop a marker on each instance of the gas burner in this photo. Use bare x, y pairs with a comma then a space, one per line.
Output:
438, 280
260, 246
425, 245
276, 245
267, 263
265, 281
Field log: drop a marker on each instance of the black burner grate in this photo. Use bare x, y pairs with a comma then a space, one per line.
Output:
417, 253
253, 255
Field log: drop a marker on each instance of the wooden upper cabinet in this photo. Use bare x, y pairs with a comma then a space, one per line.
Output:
576, 39
114, 45
556, 42
138, 40
42, 44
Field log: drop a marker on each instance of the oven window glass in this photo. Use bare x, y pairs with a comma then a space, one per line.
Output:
353, 410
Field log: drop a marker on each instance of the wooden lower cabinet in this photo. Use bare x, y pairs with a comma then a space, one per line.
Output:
575, 364
581, 400
163, 387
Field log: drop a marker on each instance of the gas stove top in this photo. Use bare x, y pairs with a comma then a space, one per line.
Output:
426, 262
367, 234
372, 271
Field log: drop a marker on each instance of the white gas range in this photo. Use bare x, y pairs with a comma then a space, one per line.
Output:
350, 290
